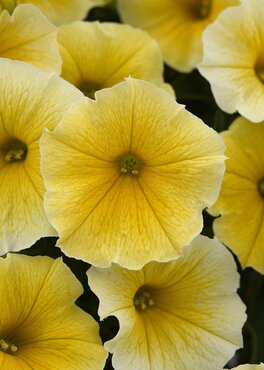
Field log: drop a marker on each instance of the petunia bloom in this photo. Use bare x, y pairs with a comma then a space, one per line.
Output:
183, 314
177, 25
234, 59
241, 200
40, 326
29, 101
28, 36
64, 11
98, 55
138, 169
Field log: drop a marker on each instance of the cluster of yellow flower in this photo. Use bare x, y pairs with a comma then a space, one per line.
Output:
95, 150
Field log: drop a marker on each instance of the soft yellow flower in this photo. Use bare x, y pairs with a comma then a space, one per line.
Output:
241, 200
137, 171
177, 25
183, 314
40, 326
97, 55
29, 101
28, 36
64, 11
234, 59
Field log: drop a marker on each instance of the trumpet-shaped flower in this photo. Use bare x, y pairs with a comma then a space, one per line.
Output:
98, 55
234, 59
241, 200
64, 11
183, 314
29, 101
137, 171
177, 25
28, 36
40, 326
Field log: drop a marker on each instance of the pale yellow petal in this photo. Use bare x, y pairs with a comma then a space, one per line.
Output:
176, 26
103, 215
241, 225
238, 36
64, 11
39, 316
98, 55
28, 36
194, 321
30, 100
249, 367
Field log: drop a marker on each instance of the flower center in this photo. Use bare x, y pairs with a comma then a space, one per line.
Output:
260, 74
9, 5
261, 187
89, 89
7, 347
130, 164
14, 151
259, 67
143, 299
203, 9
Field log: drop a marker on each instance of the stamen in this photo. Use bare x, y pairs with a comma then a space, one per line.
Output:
14, 151
5, 346
143, 299
130, 164
14, 155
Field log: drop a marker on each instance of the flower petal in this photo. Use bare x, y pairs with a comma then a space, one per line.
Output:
64, 11
30, 100
241, 225
174, 25
28, 36
98, 55
194, 321
238, 36
103, 215
39, 316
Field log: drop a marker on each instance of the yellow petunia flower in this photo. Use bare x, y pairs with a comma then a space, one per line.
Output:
234, 59
40, 326
138, 169
177, 25
29, 101
28, 36
183, 314
98, 55
64, 11
241, 200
